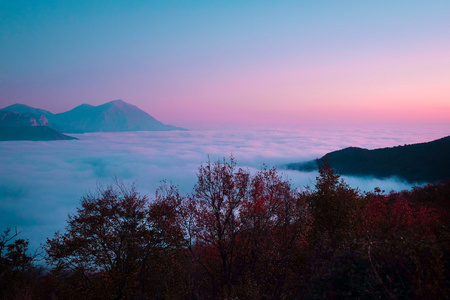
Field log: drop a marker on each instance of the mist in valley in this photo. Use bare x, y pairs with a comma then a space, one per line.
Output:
42, 182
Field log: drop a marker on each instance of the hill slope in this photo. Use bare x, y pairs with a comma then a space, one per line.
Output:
424, 162
15, 126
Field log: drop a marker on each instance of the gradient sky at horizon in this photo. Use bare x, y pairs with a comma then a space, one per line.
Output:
216, 63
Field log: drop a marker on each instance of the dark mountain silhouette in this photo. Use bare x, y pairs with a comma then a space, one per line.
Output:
110, 117
15, 126
31, 133
424, 162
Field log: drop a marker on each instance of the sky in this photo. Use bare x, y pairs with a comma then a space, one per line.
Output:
207, 64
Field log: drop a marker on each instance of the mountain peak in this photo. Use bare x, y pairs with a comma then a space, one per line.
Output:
116, 115
120, 104
118, 101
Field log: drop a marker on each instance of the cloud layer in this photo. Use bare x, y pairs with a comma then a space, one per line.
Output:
41, 182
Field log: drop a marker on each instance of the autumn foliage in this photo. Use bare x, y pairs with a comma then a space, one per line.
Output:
243, 235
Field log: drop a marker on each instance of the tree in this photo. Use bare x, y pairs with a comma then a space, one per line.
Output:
242, 236
242, 230
333, 243
403, 244
109, 244
216, 201
274, 223
336, 208
17, 271
170, 261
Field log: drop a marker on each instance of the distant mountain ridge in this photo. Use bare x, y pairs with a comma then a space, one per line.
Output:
27, 126
114, 116
423, 162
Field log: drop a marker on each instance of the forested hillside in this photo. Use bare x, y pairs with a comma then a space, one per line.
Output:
242, 236
424, 162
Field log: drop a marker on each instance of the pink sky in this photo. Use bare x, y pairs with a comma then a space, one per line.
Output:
395, 89
213, 64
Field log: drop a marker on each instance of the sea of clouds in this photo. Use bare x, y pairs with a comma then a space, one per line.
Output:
42, 182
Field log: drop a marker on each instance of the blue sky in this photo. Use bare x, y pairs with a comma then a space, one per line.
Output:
202, 63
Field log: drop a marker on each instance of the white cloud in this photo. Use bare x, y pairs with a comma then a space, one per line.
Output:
41, 182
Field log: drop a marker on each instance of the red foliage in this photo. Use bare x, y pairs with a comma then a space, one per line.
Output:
248, 236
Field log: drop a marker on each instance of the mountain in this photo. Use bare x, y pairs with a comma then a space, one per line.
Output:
11, 118
23, 109
424, 162
109, 117
15, 126
32, 133
112, 116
